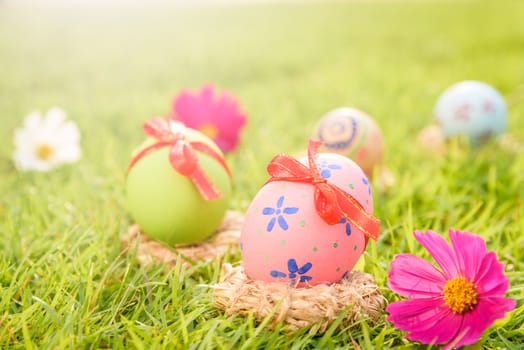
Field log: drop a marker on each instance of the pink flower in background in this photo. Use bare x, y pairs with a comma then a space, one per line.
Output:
454, 303
218, 117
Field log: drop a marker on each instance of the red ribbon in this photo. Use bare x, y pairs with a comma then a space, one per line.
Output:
331, 202
182, 155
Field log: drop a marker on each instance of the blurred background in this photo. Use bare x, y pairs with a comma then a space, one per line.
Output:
113, 64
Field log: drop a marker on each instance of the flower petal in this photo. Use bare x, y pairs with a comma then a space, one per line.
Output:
226, 145
205, 108
271, 224
427, 320
406, 314
305, 268
411, 276
24, 139
292, 265
189, 110
26, 161
69, 154
490, 279
68, 133
439, 250
469, 249
280, 201
207, 93
480, 318
290, 210
277, 274
54, 118
282, 223
33, 121
268, 211
444, 328
226, 112
305, 278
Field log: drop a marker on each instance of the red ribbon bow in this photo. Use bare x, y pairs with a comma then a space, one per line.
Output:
331, 202
182, 155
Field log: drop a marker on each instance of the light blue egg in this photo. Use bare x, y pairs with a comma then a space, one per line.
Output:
471, 108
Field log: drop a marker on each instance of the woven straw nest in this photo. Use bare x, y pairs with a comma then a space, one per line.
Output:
226, 238
358, 296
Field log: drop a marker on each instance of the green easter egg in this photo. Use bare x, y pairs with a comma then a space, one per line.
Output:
167, 206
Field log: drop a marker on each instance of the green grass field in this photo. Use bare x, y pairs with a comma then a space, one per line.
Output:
64, 281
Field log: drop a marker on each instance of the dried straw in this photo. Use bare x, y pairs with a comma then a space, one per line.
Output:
357, 295
226, 238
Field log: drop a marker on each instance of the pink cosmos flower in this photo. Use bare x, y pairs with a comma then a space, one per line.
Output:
218, 117
454, 303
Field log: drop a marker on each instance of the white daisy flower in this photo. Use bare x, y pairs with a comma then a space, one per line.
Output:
44, 143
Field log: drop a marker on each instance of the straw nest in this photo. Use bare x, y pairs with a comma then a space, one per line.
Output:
226, 238
357, 296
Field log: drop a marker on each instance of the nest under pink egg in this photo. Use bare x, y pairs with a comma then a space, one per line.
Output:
357, 297
306, 227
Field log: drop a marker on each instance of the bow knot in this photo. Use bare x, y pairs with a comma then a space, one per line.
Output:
320, 180
182, 155
331, 202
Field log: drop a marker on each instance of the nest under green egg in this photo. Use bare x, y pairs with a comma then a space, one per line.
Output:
225, 239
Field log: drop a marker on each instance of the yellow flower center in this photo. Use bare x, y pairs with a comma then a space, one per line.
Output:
209, 130
44, 151
460, 295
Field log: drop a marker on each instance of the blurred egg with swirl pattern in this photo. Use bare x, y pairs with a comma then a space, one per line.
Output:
354, 134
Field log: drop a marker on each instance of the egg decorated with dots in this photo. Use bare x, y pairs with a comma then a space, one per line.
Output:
352, 133
473, 109
284, 238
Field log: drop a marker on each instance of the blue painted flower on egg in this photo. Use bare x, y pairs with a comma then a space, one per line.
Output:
278, 215
294, 271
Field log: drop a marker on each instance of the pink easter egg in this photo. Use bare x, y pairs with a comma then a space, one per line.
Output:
284, 238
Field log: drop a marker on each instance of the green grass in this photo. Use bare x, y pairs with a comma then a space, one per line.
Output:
64, 282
